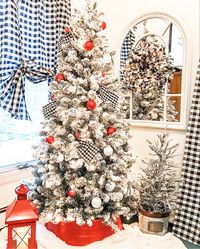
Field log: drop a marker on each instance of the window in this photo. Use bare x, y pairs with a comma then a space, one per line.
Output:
170, 110
18, 136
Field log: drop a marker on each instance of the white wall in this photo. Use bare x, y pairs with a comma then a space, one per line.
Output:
119, 16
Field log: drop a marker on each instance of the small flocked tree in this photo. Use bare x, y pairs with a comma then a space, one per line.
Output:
147, 72
83, 157
158, 181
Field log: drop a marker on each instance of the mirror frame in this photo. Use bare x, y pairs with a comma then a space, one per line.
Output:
185, 97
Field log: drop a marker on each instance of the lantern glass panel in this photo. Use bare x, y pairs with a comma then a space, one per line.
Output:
21, 235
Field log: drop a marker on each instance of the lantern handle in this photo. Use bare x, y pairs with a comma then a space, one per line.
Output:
22, 191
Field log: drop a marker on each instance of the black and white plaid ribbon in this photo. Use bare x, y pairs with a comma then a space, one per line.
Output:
106, 95
126, 48
187, 217
13, 95
66, 38
49, 110
87, 150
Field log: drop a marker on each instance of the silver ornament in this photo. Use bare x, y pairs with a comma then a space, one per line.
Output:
96, 202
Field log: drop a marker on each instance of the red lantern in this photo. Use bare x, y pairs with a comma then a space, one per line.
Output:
111, 130
103, 25
60, 77
21, 217
88, 45
91, 104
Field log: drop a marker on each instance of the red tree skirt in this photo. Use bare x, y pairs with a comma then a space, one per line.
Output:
76, 235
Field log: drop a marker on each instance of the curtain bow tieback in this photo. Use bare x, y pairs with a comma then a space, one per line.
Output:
13, 96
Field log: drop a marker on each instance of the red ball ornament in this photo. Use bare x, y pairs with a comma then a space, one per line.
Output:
71, 193
50, 139
77, 135
111, 130
60, 77
67, 30
103, 74
91, 104
88, 45
103, 25
52, 97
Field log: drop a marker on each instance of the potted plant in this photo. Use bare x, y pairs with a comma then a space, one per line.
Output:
158, 186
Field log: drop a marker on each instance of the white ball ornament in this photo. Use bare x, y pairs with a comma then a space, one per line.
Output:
106, 198
154, 115
96, 202
94, 25
72, 112
94, 79
71, 137
59, 158
110, 186
108, 151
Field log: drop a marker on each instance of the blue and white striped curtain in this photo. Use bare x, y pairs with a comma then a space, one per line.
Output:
29, 34
187, 218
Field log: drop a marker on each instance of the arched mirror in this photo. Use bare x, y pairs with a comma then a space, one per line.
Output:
151, 69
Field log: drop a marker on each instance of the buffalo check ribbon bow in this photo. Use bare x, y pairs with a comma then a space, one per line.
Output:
12, 97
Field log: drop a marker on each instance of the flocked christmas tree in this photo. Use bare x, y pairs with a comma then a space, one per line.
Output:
158, 181
83, 157
147, 72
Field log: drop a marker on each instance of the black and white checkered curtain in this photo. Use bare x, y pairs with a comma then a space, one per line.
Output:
126, 48
187, 219
29, 33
